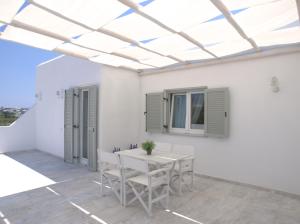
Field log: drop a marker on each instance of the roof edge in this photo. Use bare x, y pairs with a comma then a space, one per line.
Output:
263, 53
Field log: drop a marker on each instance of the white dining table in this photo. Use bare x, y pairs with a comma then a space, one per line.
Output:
158, 158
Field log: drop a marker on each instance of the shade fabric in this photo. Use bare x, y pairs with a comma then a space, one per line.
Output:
181, 14
229, 47
285, 36
170, 44
213, 32
159, 61
136, 52
136, 28
31, 15
93, 13
236, 5
9, 8
149, 34
100, 41
267, 17
118, 61
192, 55
72, 49
30, 38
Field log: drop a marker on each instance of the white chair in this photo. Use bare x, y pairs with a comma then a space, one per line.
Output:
184, 167
147, 182
110, 172
163, 147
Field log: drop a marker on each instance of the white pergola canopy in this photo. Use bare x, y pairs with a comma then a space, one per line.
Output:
151, 34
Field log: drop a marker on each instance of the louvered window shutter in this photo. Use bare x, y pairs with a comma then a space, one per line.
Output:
92, 127
154, 112
68, 126
217, 112
76, 120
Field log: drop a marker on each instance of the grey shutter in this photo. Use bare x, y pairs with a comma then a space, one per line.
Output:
154, 112
166, 110
68, 126
216, 112
76, 120
92, 128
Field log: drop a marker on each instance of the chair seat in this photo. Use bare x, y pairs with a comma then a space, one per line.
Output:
143, 180
116, 173
113, 172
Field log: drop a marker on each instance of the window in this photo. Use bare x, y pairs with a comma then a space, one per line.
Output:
187, 112
196, 111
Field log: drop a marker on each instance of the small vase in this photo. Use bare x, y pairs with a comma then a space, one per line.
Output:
149, 152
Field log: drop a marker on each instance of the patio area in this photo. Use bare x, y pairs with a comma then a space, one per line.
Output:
74, 197
211, 86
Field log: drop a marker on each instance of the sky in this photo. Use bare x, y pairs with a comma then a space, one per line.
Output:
17, 73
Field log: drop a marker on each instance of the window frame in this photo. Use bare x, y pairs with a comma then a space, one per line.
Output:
188, 93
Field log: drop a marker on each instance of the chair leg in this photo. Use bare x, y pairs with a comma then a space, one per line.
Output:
124, 195
139, 196
114, 190
192, 180
101, 186
168, 191
150, 201
180, 178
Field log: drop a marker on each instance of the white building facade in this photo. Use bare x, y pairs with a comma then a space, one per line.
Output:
263, 144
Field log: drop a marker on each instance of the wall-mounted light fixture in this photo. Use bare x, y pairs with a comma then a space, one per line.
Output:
275, 84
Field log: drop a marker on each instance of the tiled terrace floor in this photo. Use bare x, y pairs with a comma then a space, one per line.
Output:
75, 198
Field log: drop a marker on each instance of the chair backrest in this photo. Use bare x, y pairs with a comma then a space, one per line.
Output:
108, 157
135, 164
163, 146
184, 149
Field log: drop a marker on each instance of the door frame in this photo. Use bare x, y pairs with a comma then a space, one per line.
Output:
83, 161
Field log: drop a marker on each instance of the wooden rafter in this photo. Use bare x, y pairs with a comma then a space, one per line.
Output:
219, 4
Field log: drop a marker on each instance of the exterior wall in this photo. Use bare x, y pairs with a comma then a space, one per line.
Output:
118, 103
20, 135
61, 73
119, 110
263, 146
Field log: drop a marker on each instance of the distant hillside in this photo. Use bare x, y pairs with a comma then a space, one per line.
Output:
9, 115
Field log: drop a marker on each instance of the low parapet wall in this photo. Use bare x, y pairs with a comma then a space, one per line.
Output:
20, 135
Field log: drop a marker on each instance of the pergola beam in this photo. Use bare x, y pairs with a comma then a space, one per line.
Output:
100, 30
37, 30
298, 8
135, 7
18, 24
219, 4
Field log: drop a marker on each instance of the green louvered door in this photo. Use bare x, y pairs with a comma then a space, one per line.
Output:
68, 126
92, 127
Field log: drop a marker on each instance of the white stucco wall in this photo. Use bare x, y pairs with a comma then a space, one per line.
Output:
119, 109
264, 144
118, 121
263, 147
20, 135
61, 73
